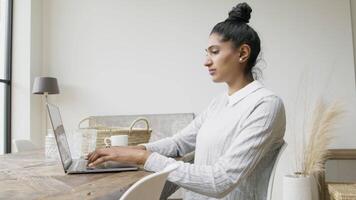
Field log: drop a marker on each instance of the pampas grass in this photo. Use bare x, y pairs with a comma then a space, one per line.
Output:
320, 134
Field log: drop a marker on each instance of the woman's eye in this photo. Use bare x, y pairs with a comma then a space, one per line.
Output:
212, 52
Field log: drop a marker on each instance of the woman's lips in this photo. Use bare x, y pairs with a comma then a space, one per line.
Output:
212, 71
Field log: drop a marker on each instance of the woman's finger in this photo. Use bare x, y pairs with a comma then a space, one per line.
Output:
93, 157
99, 153
99, 161
95, 154
89, 154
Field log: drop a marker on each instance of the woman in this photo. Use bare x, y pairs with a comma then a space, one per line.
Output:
236, 138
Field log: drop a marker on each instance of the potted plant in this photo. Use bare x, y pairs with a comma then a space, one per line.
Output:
301, 184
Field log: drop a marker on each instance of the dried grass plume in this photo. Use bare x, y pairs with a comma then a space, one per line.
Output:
320, 134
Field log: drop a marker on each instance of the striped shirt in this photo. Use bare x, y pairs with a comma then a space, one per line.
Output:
236, 140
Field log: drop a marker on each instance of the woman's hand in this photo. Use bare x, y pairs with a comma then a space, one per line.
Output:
133, 155
137, 147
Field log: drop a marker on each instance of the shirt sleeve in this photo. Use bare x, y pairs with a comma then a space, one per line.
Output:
263, 127
182, 142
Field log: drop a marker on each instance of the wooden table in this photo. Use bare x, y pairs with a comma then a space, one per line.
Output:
30, 176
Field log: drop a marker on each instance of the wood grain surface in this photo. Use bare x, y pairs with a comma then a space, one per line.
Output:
31, 176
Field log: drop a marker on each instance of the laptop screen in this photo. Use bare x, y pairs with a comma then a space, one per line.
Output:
60, 135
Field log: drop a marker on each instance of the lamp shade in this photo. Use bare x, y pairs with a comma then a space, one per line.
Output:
42, 85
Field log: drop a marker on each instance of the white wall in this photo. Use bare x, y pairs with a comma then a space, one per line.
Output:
26, 63
21, 69
344, 170
353, 20
130, 57
36, 112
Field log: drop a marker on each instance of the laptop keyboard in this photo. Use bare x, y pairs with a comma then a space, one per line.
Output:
80, 165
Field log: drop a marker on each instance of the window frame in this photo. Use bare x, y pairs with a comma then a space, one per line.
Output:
8, 78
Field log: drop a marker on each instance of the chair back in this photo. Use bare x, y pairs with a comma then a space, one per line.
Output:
149, 187
24, 145
273, 173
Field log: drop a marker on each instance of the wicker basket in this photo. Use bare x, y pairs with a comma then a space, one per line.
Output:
135, 135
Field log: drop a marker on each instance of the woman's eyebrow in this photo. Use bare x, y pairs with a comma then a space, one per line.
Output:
210, 47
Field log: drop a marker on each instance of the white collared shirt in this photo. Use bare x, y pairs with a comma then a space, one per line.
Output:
236, 140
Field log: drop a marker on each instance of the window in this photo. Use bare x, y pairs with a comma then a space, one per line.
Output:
2, 118
5, 75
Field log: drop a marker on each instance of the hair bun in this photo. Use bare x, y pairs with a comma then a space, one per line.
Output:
240, 13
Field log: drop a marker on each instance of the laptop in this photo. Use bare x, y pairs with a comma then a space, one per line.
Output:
77, 166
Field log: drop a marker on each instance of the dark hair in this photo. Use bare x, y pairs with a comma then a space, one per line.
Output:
236, 29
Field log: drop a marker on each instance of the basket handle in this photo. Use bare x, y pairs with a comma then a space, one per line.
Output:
137, 120
81, 121
89, 127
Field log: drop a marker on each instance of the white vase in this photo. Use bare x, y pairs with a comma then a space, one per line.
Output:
51, 149
297, 187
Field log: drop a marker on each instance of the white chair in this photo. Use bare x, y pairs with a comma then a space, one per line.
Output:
24, 145
273, 173
149, 187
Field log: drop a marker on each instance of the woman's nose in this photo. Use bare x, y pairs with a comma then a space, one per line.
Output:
208, 62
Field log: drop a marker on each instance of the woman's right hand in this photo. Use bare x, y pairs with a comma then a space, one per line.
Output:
131, 155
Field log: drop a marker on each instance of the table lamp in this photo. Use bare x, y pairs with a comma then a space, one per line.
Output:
45, 86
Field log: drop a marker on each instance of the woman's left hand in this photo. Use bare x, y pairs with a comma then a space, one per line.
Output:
119, 154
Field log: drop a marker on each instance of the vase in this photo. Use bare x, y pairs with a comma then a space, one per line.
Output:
51, 149
297, 187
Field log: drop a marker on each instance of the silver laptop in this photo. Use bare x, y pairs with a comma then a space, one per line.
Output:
77, 166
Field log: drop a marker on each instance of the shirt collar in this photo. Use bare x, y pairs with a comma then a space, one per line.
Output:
243, 92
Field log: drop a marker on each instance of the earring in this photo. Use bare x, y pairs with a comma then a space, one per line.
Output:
240, 59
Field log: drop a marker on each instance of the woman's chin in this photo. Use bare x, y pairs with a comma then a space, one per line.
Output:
216, 79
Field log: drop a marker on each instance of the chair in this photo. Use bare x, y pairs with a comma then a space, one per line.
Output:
24, 145
271, 178
150, 187
334, 154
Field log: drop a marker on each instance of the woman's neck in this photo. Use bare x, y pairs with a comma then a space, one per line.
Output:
239, 83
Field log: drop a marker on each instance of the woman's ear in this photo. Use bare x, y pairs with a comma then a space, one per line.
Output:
245, 51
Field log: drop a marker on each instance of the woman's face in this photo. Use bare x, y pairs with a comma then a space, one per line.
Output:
222, 60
